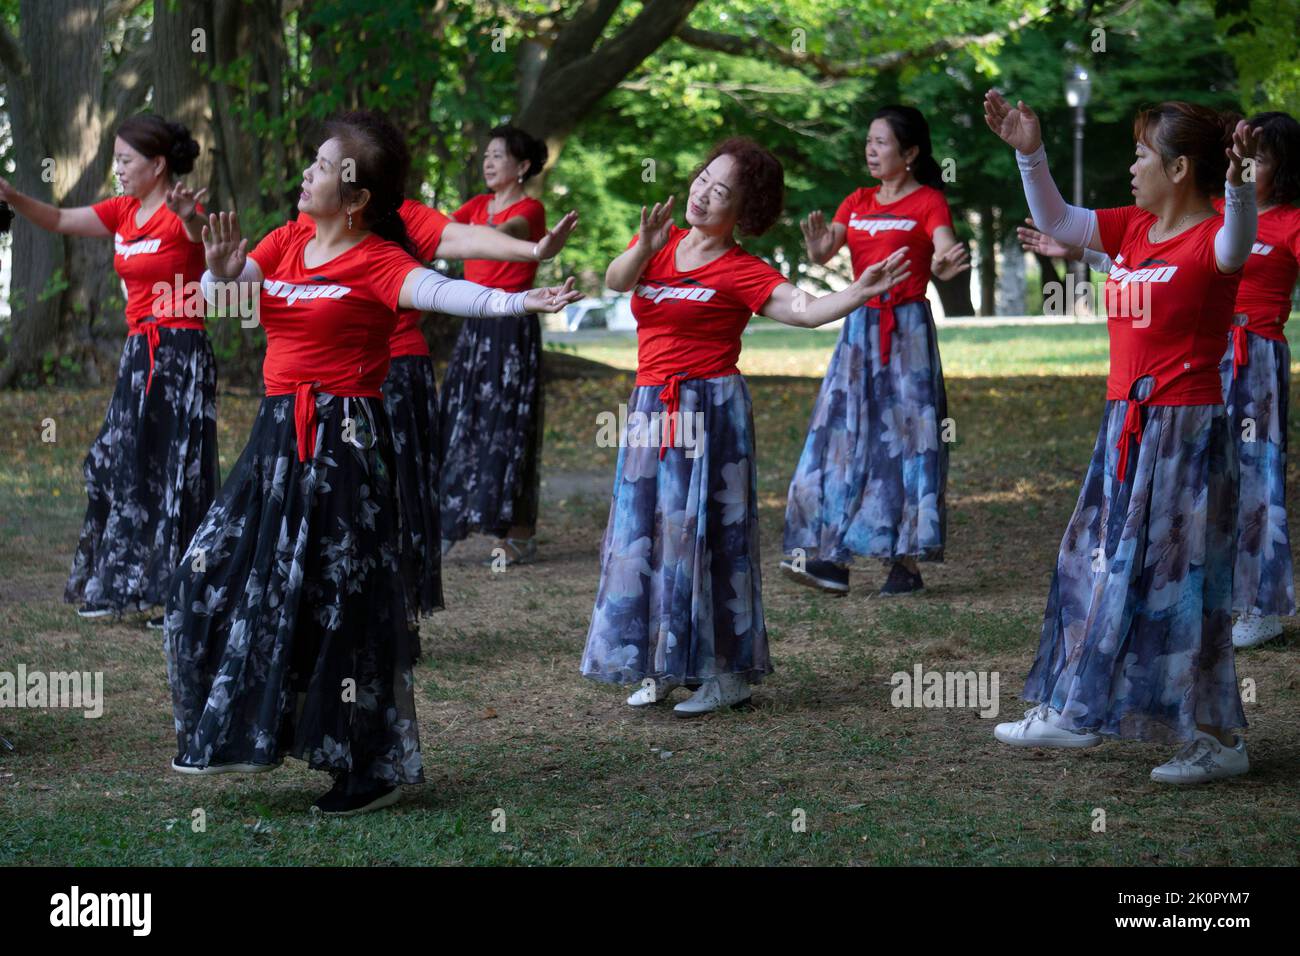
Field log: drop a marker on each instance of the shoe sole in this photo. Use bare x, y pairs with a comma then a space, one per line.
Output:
387, 800
94, 615
1255, 641
817, 584
687, 714
213, 769
1192, 781
894, 594
1048, 745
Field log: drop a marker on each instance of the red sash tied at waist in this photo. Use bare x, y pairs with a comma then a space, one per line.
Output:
1240, 345
1132, 428
886, 306
670, 395
304, 410
150, 330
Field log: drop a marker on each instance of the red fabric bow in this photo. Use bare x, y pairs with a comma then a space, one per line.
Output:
670, 395
304, 419
1240, 348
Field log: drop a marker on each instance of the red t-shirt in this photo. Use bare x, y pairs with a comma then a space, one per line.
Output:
1168, 306
875, 231
691, 321
156, 252
330, 324
507, 276
424, 225
1270, 272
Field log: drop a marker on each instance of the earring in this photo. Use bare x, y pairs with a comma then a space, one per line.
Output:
521, 180
349, 222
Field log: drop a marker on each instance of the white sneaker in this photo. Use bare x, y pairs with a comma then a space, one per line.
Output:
215, 768
1038, 728
653, 690
725, 690
1202, 760
1255, 628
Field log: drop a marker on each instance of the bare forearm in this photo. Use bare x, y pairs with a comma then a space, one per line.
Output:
624, 271
484, 242
40, 213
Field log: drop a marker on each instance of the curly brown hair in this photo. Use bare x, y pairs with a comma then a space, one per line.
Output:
762, 182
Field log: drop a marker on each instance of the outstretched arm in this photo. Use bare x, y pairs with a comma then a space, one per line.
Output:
77, 221
792, 306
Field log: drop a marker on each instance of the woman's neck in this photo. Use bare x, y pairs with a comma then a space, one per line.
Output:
508, 196
1178, 212
332, 232
699, 239
896, 187
156, 196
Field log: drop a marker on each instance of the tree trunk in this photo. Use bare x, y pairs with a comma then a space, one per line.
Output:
954, 293
180, 88
988, 234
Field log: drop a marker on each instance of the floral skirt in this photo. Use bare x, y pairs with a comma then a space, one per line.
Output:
1257, 404
286, 629
150, 474
411, 401
680, 587
1137, 636
873, 474
492, 428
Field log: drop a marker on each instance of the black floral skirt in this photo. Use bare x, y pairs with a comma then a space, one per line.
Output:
150, 474
411, 400
286, 630
492, 428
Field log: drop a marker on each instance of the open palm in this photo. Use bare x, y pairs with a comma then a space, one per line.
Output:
656, 226
1017, 126
224, 248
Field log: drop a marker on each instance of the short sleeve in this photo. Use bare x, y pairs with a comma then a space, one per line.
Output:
269, 253
535, 214
110, 211
425, 226
753, 281
388, 266
937, 213
846, 208
1294, 238
466, 212
1112, 224
636, 237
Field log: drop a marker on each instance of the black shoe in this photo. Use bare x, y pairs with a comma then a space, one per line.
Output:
823, 575
155, 623
92, 611
901, 581
339, 803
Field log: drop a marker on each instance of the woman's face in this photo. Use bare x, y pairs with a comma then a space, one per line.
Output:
322, 183
136, 173
1265, 168
713, 203
885, 158
1151, 180
500, 169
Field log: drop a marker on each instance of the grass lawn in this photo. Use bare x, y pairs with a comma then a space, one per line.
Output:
507, 722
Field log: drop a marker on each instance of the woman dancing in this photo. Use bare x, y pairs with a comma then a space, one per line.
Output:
679, 601
1136, 640
152, 471
492, 393
1256, 374
411, 392
286, 626
874, 470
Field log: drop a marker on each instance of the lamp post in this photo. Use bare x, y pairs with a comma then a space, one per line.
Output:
1078, 88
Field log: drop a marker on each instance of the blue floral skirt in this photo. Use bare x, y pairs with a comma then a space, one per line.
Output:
680, 586
411, 401
1137, 636
286, 629
874, 470
1257, 405
150, 474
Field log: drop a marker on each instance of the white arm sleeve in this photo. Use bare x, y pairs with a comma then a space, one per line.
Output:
1071, 225
1240, 220
209, 282
1097, 261
435, 292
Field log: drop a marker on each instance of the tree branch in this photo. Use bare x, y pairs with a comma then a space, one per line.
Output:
765, 49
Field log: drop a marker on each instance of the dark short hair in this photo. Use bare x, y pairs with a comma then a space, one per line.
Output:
522, 145
383, 163
1176, 128
762, 183
150, 135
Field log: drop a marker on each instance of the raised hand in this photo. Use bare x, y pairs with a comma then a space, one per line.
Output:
1044, 245
818, 238
1245, 141
182, 201
552, 298
951, 262
655, 226
550, 244
223, 247
7, 191
881, 276
1017, 126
